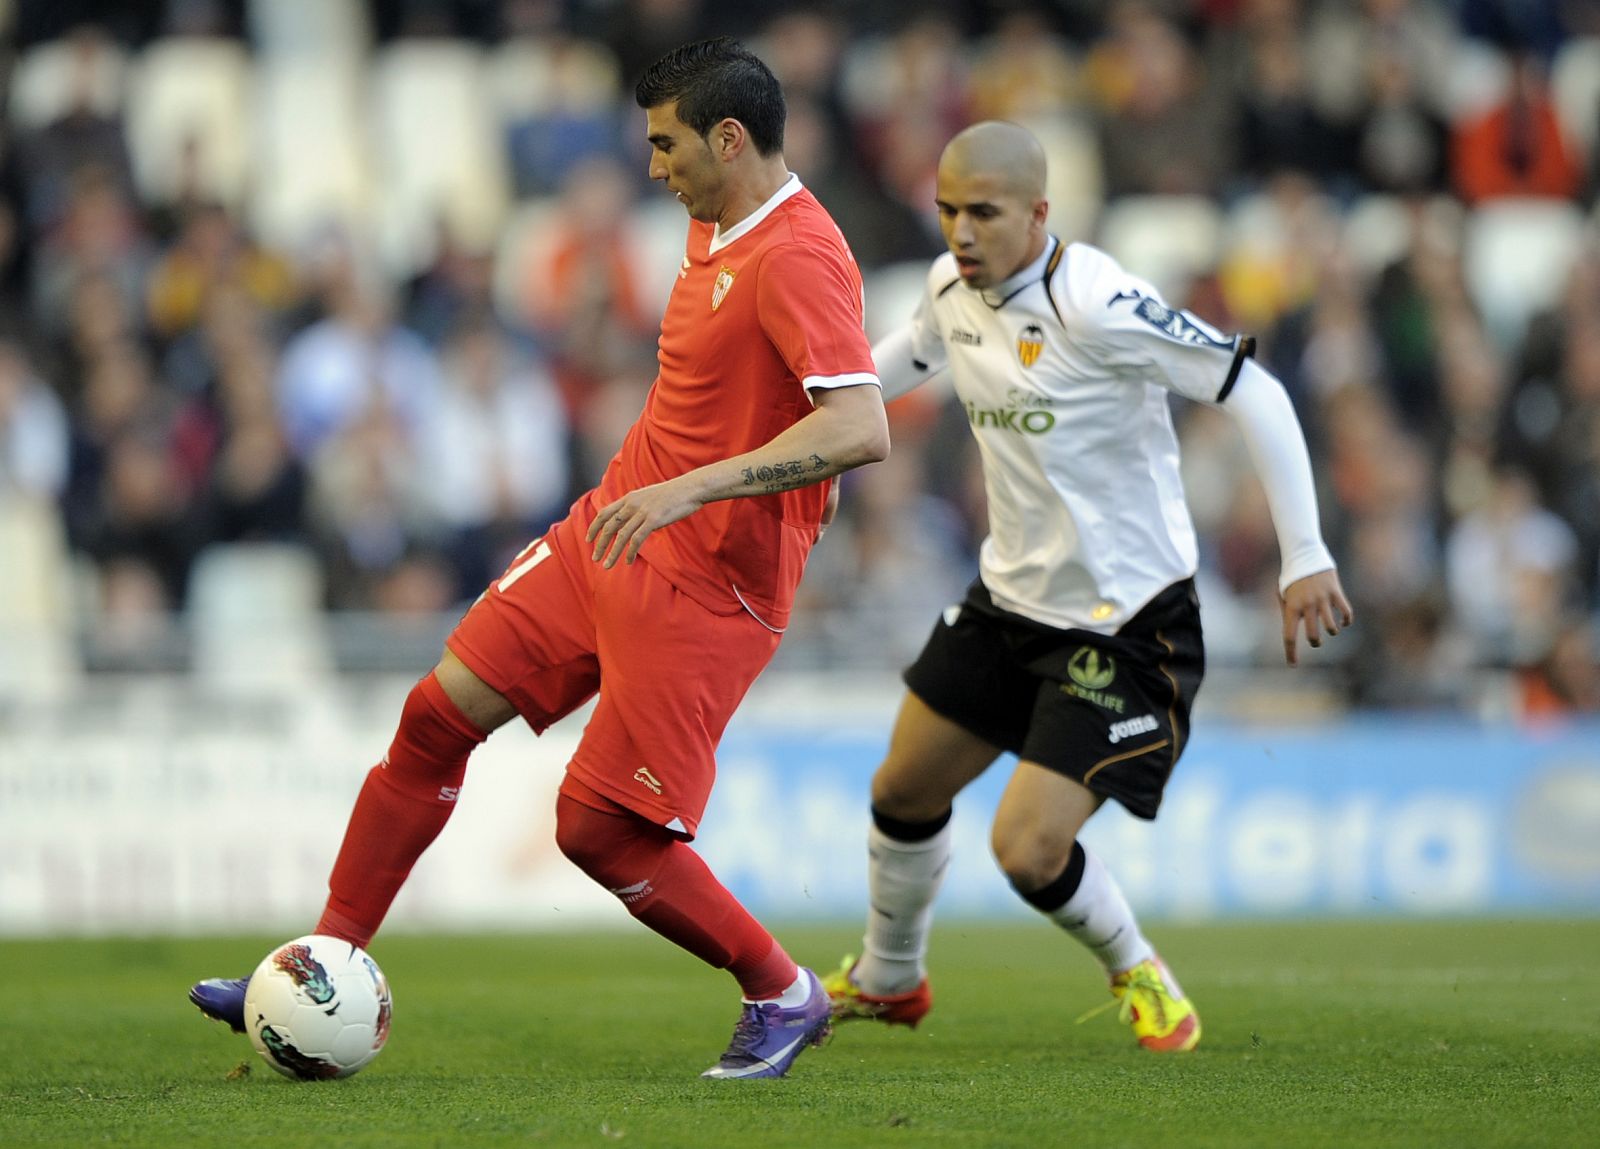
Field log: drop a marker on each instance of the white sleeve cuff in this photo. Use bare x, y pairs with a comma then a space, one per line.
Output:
853, 379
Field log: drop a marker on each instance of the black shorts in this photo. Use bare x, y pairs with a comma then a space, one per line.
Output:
1109, 711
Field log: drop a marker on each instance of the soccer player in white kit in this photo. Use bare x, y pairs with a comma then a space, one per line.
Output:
1078, 649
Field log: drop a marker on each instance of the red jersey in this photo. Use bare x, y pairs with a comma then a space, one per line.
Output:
758, 315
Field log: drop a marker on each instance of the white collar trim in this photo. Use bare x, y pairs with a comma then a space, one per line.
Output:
1000, 292
721, 239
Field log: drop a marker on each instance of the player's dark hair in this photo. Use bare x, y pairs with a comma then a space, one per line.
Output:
714, 80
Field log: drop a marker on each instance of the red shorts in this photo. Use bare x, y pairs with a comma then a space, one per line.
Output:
557, 627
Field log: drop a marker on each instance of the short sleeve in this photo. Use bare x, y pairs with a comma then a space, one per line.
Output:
810, 306
927, 343
1136, 333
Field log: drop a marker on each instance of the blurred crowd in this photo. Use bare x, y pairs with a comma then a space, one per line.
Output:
407, 375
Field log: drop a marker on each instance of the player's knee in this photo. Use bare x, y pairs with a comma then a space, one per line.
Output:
613, 849
428, 757
581, 836
1031, 861
897, 794
480, 703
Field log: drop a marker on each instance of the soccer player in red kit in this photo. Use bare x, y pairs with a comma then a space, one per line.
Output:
667, 588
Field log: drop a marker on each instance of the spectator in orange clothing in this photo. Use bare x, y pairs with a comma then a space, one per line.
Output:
1566, 681
1516, 148
582, 287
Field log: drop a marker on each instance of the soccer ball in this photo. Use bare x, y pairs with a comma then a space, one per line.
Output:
318, 1007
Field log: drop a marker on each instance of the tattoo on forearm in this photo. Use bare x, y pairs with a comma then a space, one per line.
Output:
785, 476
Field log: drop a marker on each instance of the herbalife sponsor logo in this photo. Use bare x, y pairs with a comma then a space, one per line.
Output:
1023, 413
1112, 702
1091, 671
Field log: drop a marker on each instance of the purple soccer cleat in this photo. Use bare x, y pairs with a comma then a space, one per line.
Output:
221, 999
768, 1037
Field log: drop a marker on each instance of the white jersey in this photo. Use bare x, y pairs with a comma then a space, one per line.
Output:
1064, 371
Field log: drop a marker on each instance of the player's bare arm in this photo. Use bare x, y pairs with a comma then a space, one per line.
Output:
1316, 603
848, 429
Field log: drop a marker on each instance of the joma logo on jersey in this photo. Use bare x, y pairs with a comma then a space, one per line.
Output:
720, 289
1033, 422
967, 338
1030, 344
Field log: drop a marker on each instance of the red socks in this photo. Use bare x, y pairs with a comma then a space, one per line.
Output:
405, 802
667, 886
403, 805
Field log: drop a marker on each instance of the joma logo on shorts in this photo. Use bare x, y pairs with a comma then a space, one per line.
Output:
1128, 727
648, 779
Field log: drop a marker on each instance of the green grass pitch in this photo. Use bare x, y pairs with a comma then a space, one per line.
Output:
1394, 1033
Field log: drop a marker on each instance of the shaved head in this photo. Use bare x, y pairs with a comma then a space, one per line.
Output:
991, 201
997, 148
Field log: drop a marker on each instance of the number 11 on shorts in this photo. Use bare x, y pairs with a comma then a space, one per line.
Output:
531, 556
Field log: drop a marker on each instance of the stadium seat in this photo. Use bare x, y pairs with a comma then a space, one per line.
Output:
1256, 222
1377, 231
892, 295
533, 77
184, 89
46, 75
1075, 185
438, 152
1575, 87
1168, 240
255, 612
663, 229
555, 102
310, 158
1479, 79
309, 28
36, 612
1517, 253
865, 70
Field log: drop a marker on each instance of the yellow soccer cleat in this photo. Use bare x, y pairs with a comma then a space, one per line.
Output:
851, 1003
1152, 1002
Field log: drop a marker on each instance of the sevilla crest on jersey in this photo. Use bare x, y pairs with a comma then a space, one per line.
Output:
719, 289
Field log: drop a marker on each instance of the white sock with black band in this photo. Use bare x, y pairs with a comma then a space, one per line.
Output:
903, 877
1093, 911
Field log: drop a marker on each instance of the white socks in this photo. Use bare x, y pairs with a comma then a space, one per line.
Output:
902, 880
904, 877
795, 996
1098, 916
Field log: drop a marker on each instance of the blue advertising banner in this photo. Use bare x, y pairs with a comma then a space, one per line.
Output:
1365, 816
130, 822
